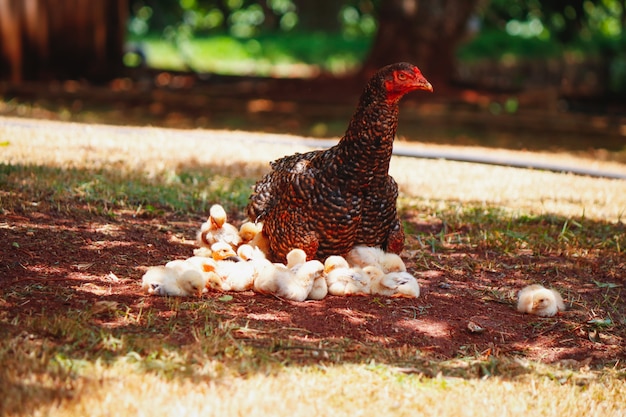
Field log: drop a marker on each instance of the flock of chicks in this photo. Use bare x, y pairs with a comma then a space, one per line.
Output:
231, 259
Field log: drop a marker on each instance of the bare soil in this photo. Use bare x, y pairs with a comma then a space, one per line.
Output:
54, 262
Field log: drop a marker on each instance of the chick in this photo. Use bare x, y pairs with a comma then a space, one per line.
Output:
319, 289
236, 276
299, 285
407, 284
248, 252
203, 251
362, 256
391, 262
388, 284
223, 251
341, 279
249, 230
191, 283
261, 241
217, 229
198, 263
155, 277
295, 259
293, 281
162, 280
268, 277
538, 300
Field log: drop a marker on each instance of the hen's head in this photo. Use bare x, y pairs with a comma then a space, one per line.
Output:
396, 80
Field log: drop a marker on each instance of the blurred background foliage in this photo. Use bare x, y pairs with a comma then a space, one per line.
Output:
283, 37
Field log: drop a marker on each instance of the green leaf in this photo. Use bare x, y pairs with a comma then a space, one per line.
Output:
225, 298
601, 322
606, 284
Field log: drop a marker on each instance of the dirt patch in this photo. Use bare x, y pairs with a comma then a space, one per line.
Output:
55, 262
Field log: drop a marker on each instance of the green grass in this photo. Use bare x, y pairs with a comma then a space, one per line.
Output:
175, 190
263, 56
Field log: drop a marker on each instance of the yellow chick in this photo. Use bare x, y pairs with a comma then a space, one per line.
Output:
249, 230
222, 250
391, 262
236, 276
362, 256
540, 301
217, 229
341, 279
250, 253
261, 241
295, 259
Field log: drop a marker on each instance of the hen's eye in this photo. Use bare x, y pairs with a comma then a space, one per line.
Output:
401, 76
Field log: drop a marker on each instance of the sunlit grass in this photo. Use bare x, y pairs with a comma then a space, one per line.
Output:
296, 55
40, 376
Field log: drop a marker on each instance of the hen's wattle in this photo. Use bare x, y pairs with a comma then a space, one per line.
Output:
327, 201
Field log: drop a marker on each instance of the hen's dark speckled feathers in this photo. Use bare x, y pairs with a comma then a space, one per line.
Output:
327, 201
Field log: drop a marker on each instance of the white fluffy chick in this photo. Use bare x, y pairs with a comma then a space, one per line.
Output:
319, 290
268, 277
341, 279
362, 256
236, 276
407, 284
217, 229
383, 284
165, 281
293, 281
299, 285
198, 263
540, 301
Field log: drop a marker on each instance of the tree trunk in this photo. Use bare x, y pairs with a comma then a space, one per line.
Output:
423, 32
61, 39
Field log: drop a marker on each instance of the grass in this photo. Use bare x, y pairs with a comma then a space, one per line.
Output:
190, 358
296, 55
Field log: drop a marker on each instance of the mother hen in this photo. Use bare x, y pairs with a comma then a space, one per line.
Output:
327, 201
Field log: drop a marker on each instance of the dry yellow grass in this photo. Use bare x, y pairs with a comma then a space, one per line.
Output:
346, 390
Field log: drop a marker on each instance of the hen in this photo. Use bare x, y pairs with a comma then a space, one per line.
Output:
327, 201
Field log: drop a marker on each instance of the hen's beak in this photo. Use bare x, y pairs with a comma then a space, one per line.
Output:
425, 85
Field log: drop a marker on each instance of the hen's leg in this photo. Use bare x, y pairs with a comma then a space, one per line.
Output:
395, 241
